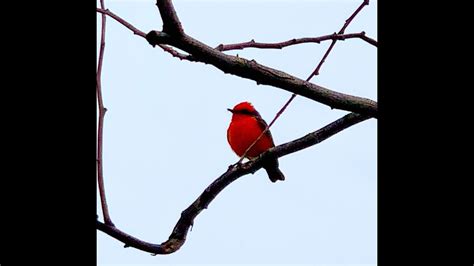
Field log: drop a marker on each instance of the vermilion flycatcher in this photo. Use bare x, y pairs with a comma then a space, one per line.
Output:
245, 127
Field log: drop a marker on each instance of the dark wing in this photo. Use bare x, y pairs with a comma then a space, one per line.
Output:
263, 125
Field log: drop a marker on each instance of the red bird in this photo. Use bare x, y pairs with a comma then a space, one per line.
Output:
245, 127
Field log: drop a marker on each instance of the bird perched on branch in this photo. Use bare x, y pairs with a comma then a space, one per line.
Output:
245, 127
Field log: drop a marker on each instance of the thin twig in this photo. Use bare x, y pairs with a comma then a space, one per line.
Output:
121, 21
180, 231
102, 110
258, 73
315, 72
262, 74
250, 69
267, 128
279, 45
349, 20
140, 33
341, 31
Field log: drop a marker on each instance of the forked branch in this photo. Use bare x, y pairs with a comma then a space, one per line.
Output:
248, 69
142, 34
180, 231
334, 38
173, 34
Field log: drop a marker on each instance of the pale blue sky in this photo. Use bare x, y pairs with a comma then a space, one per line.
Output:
165, 138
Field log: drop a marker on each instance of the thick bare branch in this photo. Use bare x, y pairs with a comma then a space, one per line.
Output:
174, 35
131, 241
280, 45
180, 231
315, 72
177, 54
250, 69
171, 23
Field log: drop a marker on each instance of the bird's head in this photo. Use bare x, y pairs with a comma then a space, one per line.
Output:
244, 108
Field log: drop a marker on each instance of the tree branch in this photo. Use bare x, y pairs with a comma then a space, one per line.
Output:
341, 31
102, 110
180, 231
315, 72
280, 45
282, 109
349, 20
171, 23
250, 69
173, 34
140, 33
121, 21
177, 54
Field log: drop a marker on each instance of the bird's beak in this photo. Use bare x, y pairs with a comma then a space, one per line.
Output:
230, 110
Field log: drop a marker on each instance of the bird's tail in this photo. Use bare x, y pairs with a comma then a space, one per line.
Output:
273, 171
